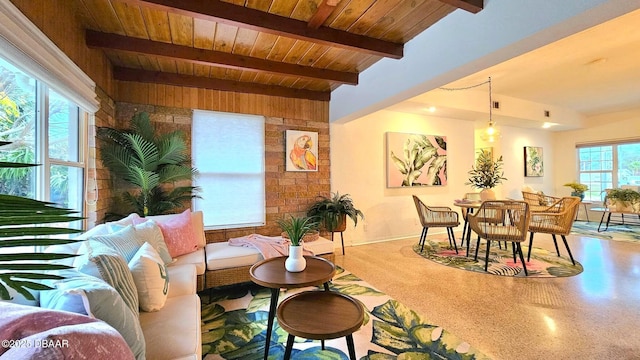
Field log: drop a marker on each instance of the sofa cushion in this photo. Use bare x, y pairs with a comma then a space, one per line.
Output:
74, 336
197, 221
178, 233
151, 278
222, 256
123, 241
85, 294
174, 331
102, 261
183, 280
195, 258
151, 233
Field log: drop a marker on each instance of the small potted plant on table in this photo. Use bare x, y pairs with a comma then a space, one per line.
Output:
624, 200
296, 228
578, 189
486, 174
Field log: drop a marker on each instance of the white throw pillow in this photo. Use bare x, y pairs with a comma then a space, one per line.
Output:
151, 278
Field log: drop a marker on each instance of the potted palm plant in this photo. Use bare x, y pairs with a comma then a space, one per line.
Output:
296, 228
486, 174
332, 212
148, 162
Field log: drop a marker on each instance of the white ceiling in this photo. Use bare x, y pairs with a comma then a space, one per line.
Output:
594, 72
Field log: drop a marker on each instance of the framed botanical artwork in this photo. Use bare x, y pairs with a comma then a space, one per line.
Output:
533, 165
301, 150
416, 160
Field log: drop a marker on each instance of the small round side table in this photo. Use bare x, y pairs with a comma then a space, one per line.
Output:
320, 315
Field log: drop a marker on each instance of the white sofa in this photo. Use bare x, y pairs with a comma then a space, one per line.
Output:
174, 331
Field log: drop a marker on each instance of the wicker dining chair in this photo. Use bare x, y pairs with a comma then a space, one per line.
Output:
539, 202
512, 229
555, 223
436, 216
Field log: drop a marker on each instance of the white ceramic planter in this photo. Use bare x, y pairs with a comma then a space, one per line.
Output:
296, 261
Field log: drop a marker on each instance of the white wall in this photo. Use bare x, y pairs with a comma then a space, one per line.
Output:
358, 167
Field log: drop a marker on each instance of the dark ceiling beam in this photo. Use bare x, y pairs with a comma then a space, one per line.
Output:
240, 16
472, 6
156, 77
96, 39
322, 13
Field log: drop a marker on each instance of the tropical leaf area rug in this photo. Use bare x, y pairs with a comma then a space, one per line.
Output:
234, 323
629, 233
542, 264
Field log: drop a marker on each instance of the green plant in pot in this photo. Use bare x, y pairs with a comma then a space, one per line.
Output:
332, 212
486, 174
23, 223
149, 163
296, 228
577, 189
624, 199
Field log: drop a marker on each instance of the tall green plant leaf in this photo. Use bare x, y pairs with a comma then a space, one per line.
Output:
147, 163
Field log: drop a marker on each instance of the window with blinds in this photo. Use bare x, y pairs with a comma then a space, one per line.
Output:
228, 151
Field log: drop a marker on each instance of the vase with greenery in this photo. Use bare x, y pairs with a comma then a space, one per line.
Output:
578, 189
296, 228
24, 224
624, 199
486, 174
333, 210
150, 163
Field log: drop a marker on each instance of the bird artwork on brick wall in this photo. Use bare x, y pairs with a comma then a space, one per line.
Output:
302, 155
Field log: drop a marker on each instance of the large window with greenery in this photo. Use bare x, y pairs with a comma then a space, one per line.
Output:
609, 165
42, 127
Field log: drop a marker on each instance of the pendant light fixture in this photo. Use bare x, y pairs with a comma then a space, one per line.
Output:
491, 133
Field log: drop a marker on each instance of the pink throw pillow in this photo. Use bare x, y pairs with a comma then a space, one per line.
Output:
178, 234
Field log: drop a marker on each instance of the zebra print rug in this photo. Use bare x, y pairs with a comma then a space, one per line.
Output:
543, 263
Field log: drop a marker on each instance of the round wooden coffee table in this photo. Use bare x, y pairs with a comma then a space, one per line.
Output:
320, 315
272, 274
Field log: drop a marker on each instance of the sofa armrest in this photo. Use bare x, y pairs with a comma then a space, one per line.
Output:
182, 280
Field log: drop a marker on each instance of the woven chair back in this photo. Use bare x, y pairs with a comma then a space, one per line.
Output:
513, 225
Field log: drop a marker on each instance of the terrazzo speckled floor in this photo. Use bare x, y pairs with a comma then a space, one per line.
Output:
594, 315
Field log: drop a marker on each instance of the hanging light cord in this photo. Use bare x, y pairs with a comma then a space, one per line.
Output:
490, 104
468, 87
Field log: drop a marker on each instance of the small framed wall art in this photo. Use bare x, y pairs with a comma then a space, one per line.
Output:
301, 152
533, 161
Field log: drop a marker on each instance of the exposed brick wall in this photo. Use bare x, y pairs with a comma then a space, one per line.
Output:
286, 192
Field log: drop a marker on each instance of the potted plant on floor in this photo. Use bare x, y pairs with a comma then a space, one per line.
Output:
486, 174
296, 228
150, 164
332, 212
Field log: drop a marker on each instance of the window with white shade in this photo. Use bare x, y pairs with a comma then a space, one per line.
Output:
228, 151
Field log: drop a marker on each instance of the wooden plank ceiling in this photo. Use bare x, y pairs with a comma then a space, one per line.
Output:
291, 48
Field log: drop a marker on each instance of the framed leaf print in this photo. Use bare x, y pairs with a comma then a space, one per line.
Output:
416, 160
533, 161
